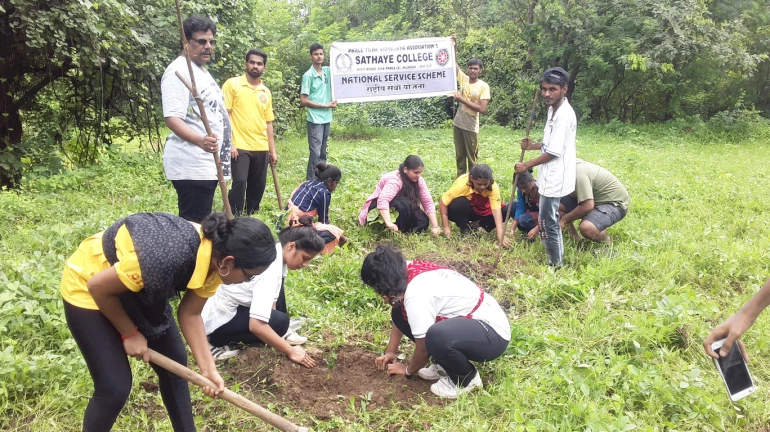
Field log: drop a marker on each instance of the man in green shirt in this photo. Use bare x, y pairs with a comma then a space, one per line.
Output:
316, 95
599, 199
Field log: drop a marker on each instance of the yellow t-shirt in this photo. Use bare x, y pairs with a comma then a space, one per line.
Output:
461, 188
250, 109
466, 118
89, 259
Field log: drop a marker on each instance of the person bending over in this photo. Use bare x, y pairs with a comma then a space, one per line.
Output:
527, 205
403, 190
447, 316
254, 312
116, 288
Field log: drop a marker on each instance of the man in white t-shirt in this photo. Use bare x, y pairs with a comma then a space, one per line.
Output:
187, 156
556, 175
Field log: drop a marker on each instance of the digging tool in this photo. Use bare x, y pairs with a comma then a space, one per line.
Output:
516, 177
239, 401
204, 118
277, 188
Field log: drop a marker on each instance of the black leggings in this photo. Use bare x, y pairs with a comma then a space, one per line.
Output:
461, 213
454, 342
410, 218
107, 362
237, 329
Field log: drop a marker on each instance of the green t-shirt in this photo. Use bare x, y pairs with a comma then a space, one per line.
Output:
318, 89
596, 183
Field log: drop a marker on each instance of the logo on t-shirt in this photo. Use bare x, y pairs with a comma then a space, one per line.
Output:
262, 98
442, 57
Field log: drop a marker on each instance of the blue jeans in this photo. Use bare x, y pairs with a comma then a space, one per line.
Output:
550, 231
317, 138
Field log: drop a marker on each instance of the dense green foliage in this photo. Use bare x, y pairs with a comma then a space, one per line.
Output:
78, 75
605, 344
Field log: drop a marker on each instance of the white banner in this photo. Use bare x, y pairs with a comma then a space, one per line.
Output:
379, 70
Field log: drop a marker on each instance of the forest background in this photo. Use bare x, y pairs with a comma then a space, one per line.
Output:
78, 76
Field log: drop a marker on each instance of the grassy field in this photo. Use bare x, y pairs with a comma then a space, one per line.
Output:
610, 343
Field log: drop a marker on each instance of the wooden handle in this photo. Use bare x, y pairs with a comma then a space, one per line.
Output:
516, 177
277, 187
239, 401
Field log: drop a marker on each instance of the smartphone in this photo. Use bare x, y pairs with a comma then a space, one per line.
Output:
734, 372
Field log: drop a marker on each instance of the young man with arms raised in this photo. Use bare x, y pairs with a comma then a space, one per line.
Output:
316, 95
556, 175
474, 97
250, 105
187, 159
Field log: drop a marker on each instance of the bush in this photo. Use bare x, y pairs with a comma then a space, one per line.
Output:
740, 124
409, 113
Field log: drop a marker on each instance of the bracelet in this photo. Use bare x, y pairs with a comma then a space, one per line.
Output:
406, 370
435, 226
136, 331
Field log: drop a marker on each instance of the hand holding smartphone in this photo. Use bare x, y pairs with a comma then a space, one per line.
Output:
734, 371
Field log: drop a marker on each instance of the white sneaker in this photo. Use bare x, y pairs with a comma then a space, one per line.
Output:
293, 338
296, 324
223, 352
447, 389
432, 372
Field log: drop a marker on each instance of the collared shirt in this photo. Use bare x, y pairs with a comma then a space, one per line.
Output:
250, 109
313, 195
318, 89
461, 188
556, 178
466, 118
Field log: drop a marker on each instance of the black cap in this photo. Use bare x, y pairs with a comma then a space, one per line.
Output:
556, 75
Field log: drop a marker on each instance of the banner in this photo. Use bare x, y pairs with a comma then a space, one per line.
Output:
379, 71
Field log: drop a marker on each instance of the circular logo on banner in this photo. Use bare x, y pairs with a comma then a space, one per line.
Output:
343, 62
442, 57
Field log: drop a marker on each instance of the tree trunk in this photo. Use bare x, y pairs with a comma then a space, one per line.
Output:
10, 138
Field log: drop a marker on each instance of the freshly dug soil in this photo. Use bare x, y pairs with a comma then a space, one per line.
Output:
477, 271
327, 389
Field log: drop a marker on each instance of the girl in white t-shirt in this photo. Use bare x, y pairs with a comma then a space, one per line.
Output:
446, 315
254, 312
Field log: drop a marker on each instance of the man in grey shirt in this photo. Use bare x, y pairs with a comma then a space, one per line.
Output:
187, 155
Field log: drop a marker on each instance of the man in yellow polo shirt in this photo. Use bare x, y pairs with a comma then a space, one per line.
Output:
250, 105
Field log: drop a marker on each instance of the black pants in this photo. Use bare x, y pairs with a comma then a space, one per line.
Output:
461, 213
237, 329
454, 342
194, 198
410, 218
249, 173
102, 348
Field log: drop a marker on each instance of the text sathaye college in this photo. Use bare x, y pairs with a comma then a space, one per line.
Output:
390, 58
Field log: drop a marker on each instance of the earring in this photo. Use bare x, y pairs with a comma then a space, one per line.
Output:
220, 271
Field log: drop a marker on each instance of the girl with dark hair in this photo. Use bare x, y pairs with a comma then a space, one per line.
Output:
116, 288
254, 312
474, 201
403, 190
527, 205
312, 198
447, 316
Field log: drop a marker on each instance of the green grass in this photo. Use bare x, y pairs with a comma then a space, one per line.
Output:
605, 344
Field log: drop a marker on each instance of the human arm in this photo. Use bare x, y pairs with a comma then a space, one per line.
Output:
578, 212
105, 288
177, 125
322, 205
266, 334
418, 361
527, 144
271, 144
191, 323
735, 326
480, 107
388, 192
453, 37
391, 351
526, 166
444, 217
497, 215
305, 101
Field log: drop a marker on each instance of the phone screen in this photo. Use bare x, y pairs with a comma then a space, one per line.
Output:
735, 371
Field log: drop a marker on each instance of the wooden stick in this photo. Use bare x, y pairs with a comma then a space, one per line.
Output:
239, 401
277, 187
202, 109
516, 177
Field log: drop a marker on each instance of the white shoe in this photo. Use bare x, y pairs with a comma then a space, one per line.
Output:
293, 338
432, 372
223, 352
296, 324
447, 389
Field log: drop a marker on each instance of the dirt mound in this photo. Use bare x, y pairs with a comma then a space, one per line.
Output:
328, 388
478, 271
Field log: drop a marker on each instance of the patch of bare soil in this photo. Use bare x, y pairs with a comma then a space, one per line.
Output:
477, 271
327, 389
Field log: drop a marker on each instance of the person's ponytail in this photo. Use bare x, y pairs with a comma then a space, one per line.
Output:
304, 235
246, 239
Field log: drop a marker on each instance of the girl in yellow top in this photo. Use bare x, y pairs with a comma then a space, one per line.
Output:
474, 201
116, 288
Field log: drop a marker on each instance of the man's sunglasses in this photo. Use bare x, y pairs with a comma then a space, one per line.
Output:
202, 41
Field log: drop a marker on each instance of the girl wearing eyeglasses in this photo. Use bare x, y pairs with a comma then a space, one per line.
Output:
116, 289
